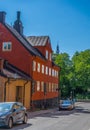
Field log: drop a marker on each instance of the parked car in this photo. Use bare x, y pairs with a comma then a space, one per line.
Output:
66, 104
12, 112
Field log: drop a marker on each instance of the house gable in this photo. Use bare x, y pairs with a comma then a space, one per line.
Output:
42, 43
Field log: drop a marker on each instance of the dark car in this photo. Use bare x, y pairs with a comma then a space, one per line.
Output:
66, 104
12, 112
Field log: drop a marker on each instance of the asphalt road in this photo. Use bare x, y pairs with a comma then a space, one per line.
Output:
77, 119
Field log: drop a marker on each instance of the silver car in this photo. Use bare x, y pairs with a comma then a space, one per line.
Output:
12, 112
66, 104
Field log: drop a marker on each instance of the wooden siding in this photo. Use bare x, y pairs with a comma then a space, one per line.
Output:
11, 91
18, 56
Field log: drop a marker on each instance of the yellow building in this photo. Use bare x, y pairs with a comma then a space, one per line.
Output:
15, 85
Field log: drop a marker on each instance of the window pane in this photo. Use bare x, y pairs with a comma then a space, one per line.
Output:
43, 69
34, 66
46, 54
38, 85
38, 69
6, 46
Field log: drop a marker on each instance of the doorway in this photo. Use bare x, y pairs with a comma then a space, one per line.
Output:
19, 94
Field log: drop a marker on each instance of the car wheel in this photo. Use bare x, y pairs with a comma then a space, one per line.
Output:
25, 119
10, 123
59, 108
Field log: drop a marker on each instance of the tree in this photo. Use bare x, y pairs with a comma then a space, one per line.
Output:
74, 73
81, 65
64, 62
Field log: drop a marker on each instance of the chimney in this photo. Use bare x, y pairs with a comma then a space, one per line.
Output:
2, 17
18, 24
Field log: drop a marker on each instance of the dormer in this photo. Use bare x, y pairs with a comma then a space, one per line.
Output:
43, 44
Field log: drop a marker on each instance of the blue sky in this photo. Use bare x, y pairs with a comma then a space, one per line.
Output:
67, 22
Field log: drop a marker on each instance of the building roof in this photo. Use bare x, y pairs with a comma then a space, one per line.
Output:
11, 71
24, 42
38, 40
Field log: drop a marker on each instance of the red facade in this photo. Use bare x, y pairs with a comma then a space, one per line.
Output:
42, 70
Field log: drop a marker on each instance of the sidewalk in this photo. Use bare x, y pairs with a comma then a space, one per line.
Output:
39, 112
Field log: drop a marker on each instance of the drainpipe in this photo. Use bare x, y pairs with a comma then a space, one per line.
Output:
5, 89
24, 91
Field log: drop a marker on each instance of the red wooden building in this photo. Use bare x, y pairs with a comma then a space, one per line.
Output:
33, 55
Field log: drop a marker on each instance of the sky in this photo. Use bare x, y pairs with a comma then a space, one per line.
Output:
66, 22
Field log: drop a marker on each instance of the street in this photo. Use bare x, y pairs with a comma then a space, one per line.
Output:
77, 119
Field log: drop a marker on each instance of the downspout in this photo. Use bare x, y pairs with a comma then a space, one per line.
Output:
5, 89
24, 92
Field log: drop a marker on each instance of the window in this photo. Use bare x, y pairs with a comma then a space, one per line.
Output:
50, 71
42, 86
43, 69
46, 54
50, 57
50, 87
57, 73
34, 65
38, 67
46, 70
7, 46
38, 85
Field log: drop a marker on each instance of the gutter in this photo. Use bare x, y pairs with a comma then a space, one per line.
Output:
5, 89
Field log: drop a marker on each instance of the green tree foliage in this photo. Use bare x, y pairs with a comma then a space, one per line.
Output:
63, 61
81, 65
74, 73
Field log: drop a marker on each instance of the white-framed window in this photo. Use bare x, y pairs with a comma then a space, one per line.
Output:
57, 73
34, 65
50, 56
38, 67
42, 86
46, 54
43, 69
50, 71
50, 87
38, 85
7, 46
46, 70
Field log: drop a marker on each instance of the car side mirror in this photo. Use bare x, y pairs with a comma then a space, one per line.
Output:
14, 109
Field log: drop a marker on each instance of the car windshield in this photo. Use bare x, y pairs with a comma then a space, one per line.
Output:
66, 102
5, 107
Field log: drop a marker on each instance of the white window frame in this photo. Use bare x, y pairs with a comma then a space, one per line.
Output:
46, 70
50, 71
7, 46
42, 86
34, 65
42, 69
38, 67
46, 54
38, 85
50, 56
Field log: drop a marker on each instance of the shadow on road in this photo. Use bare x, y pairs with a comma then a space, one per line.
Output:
17, 127
55, 113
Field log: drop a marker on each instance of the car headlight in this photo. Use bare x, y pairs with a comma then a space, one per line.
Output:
3, 117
